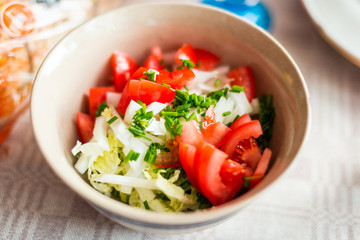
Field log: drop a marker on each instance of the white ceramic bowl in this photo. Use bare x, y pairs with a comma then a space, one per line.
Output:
81, 61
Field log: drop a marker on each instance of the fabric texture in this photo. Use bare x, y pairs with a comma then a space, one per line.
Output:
318, 198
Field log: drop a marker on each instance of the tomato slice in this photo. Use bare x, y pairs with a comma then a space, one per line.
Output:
97, 96
207, 60
243, 76
231, 140
260, 170
187, 157
263, 164
131, 92
177, 79
123, 66
145, 91
214, 133
209, 169
85, 125
245, 118
152, 62
209, 117
190, 133
151, 91
186, 52
231, 172
139, 73
247, 151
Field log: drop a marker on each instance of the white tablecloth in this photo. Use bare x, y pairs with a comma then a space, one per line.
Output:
319, 198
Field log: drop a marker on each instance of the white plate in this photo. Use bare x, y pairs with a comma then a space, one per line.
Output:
338, 21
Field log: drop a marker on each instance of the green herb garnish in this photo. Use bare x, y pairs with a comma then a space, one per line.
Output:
226, 113
151, 74
101, 108
266, 118
111, 120
237, 89
146, 205
132, 156
151, 153
186, 63
217, 82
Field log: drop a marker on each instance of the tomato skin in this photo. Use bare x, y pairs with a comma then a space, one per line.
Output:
248, 152
207, 60
263, 163
245, 118
214, 133
177, 79
244, 77
232, 172
123, 66
151, 91
250, 129
131, 92
152, 62
186, 52
208, 164
145, 91
97, 96
85, 125
187, 156
139, 73
190, 133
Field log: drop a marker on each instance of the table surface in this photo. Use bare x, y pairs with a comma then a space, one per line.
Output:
319, 198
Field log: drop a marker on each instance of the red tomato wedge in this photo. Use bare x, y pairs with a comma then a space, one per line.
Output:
131, 92
145, 91
97, 96
231, 140
177, 80
151, 91
139, 73
190, 133
187, 157
260, 170
247, 151
243, 76
208, 166
252, 181
186, 52
263, 164
85, 125
181, 78
123, 66
240, 121
231, 172
214, 133
209, 117
206, 59
154, 61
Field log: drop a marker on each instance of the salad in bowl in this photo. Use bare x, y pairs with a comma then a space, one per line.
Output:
180, 132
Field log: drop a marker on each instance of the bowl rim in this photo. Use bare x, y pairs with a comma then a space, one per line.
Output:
118, 208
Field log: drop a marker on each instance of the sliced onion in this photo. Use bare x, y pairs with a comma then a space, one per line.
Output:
100, 133
156, 107
126, 181
131, 111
